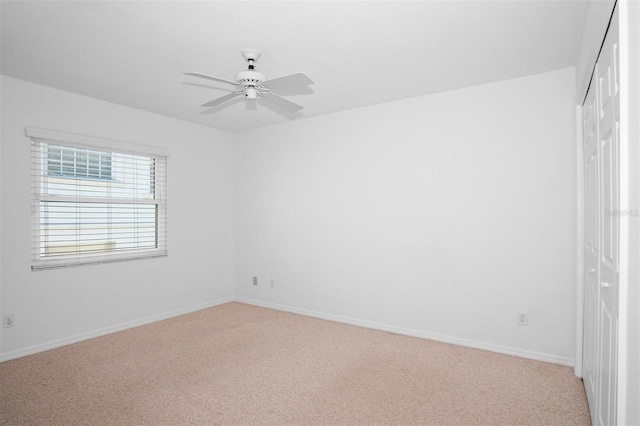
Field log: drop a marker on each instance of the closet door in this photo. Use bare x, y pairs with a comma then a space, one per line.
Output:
591, 242
601, 123
608, 137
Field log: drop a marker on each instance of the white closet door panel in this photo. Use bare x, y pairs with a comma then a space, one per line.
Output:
608, 155
591, 256
601, 124
606, 379
590, 351
609, 221
608, 124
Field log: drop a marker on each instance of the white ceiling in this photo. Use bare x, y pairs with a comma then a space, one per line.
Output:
358, 53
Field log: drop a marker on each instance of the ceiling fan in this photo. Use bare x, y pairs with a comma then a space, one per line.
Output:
254, 85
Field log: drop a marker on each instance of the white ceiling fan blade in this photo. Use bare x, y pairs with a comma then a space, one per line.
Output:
282, 102
210, 77
288, 81
221, 99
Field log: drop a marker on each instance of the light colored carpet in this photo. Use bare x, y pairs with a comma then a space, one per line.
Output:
241, 364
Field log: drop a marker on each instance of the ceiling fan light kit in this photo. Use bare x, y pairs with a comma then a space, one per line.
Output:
250, 94
254, 85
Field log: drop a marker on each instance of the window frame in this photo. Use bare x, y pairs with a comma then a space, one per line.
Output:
39, 170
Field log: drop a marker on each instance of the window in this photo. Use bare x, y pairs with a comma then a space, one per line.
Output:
78, 162
95, 201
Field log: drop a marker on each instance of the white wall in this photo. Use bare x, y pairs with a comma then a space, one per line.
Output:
59, 306
440, 216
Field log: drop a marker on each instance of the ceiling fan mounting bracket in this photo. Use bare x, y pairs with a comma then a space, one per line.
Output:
251, 55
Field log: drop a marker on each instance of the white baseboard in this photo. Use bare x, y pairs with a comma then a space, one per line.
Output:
108, 330
337, 318
538, 356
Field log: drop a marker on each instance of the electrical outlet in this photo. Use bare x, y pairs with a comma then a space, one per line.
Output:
255, 280
8, 320
523, 318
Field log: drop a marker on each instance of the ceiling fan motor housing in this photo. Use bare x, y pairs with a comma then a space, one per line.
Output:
250, 78
251, 81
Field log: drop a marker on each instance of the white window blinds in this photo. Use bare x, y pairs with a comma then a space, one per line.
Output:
95, 201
